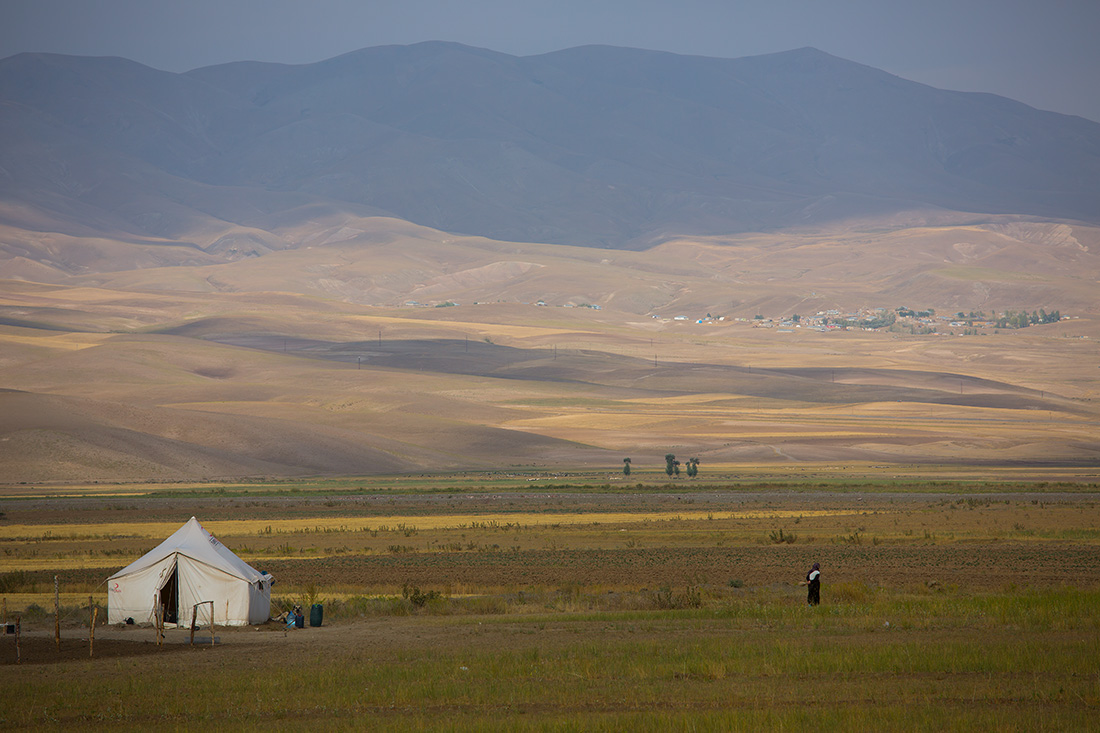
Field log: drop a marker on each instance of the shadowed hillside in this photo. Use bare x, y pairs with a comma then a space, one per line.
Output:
594, 146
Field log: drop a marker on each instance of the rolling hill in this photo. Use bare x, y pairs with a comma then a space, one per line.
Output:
592, 146
195, 373
439, 258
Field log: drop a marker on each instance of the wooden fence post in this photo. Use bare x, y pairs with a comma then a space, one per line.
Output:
57, 612
18, 624
194, 612
91, 629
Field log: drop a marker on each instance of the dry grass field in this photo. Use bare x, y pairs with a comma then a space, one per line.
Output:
316, 360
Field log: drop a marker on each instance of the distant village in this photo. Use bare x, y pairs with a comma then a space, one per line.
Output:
899, 320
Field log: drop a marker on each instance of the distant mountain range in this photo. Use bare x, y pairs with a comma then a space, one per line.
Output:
592, 146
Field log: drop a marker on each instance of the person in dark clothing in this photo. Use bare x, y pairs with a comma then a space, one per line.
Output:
813, 583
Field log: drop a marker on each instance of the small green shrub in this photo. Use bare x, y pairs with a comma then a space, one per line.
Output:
310, 595
419, 599
34, 612
779, 537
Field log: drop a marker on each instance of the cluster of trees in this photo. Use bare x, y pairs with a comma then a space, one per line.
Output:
1008, 319
884, 320
910, 313
693, 467
672, 466
918, 329
1011, 319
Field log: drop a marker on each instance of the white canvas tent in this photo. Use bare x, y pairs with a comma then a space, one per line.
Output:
189, 567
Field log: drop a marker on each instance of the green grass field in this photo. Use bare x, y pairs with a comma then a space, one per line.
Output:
883, 661
947, 605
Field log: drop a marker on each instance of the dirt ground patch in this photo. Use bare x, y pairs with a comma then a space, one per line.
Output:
39, 648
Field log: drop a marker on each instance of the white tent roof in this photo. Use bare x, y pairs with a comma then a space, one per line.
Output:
195, 542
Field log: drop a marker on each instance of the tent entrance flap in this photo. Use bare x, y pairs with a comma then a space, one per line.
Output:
169, 597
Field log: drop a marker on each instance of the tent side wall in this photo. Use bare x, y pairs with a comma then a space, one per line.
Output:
134, 596
236, 602
259, 602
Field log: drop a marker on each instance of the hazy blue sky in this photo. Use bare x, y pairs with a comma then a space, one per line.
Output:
1044, 53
